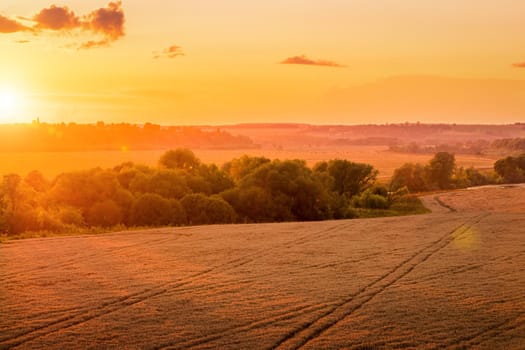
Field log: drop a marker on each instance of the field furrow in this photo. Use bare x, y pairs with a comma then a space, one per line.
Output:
454, 279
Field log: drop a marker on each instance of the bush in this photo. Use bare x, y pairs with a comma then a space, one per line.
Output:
70, 216
178, 215
202, 210
104, 214
150, 209
370, 200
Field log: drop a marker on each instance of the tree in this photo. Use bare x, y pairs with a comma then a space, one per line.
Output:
350, 178
37, 181
152, 210
511, 169
218, 211
180, 158
289, 191
17, 205
411, 176
254, 204
371, 199
104, 214
441, 168
240, 167
202, 210
218, 180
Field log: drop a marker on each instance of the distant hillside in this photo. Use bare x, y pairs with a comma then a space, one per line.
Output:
93, 137
289, 135
406, 137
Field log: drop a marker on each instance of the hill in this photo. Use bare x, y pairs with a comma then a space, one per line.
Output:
453, 278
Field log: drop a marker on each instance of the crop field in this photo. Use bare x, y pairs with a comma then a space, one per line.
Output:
454, 279
54, 163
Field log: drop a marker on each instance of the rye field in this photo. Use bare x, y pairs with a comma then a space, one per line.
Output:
451, 279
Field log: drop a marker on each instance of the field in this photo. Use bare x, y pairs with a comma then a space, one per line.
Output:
451, 279
54, 163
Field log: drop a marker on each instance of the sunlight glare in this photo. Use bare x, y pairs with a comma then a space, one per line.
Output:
8, 104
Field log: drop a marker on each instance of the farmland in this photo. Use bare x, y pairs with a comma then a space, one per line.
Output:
450, 279
54, 163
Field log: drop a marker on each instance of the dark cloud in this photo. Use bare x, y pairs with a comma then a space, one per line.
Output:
8, 25
170, 52
307, 61
106, 24
22, 41
519, 65
56, 18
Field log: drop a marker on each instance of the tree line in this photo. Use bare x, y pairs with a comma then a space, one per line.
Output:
442, 173
182, 190
477, 147
103, 137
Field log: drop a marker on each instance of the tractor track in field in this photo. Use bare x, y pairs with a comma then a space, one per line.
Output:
122, 302
307, 332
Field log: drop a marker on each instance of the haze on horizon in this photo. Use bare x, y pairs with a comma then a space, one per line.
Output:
210, 62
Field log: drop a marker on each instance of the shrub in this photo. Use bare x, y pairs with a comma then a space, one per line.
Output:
202, 210
370, 200
104, 214
150, 209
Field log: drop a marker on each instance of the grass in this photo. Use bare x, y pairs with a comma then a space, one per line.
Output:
72, 231
408, 205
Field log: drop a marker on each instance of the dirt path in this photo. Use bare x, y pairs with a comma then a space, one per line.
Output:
451, 279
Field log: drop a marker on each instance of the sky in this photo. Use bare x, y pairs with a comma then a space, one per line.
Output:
235, 61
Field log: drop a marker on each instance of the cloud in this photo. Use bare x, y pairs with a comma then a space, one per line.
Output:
170, 52
106, 23
56, 18
307, 61
519, 65
8, 25
22, 41
94, 44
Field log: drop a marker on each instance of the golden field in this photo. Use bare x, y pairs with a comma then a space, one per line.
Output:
54, 163
450, 279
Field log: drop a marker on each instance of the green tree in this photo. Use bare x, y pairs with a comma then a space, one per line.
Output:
441, 168
218, 180
104, 214
180, 158
350, 178
292, 192
411, 176
240, 167
153, 210
511, 169
202, 210
17, 205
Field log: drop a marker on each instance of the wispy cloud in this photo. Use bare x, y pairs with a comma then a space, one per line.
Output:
309, 62
519, 65
106, 24
8, 25
170, 52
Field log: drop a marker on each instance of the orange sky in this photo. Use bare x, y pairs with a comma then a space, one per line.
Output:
214, 62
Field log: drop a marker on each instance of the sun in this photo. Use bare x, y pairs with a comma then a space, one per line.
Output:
8, 104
